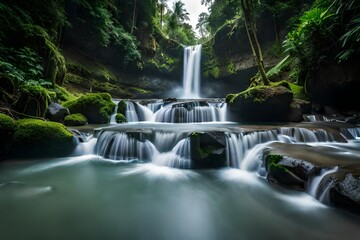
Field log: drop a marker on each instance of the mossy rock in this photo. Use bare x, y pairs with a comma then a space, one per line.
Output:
37, 138
122, 107
208, 149
96, 107
261, 104
120, 118
7, 127
76, 119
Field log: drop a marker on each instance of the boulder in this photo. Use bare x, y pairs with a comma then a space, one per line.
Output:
55, 112
76, 119
36, 138
96, 107
341, 189
208, 150
122, 107
260, 104
289, 172
298, 108
7, 127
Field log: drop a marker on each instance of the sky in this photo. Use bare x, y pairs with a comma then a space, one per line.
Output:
194, 8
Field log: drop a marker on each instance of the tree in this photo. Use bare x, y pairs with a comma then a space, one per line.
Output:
248, 9
179, 12
162, 6
202, 23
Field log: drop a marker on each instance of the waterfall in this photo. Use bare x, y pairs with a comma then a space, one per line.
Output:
177, 112
191, 74
113, 116
239, 144
124, 146
120, 146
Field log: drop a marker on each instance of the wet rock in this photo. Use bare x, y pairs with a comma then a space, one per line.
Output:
260, 104
56, 112
208, 149
297, 108
292, 173
341, 189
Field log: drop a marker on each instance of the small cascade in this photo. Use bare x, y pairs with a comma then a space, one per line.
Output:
168, 149
190, 112
191, 74
351, 133
131, 114
316, 118
120, 146
177, 112
178, 157
113, 116
313, 188
238, 144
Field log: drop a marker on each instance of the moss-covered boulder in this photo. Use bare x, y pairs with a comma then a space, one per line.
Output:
96, 107
208, 149
122, 107
120, 118
37, 138
7, 127
76, 119
260, 104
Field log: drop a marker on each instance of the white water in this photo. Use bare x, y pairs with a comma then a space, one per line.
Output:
177, 112
191, 74
312, 189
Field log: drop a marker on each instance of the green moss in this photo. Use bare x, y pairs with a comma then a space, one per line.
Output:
122, 107
6, 123
36, 138
62, 94
140, 90
273, 163
298, 92
231, 68
7, 127
120, 118
96, 107
34, 99
215, 72
35, 131
260, 93
76, 119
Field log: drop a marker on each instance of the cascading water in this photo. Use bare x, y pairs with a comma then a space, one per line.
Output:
191, 74
177, 112
134, 146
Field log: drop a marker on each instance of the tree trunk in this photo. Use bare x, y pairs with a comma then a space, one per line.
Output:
251, 33
133, 20
276, 29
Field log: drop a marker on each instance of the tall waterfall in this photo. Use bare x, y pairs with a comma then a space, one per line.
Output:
191, 77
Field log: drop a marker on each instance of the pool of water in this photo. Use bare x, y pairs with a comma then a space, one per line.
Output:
88, 197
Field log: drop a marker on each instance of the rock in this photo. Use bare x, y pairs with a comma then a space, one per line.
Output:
96, 107
7, 127
55, 112
260, 104
122, 107
35, 138
120, 118
76, 119
341, 189
289, 172
299, 107
208, 149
